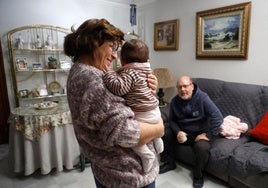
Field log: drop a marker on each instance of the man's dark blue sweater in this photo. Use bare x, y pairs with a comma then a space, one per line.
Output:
196, 115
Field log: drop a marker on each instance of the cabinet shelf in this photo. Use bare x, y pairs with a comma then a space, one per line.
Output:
30, 50
43, 70
38, 50
43, 97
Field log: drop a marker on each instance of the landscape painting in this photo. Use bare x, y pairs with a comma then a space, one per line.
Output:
223, 32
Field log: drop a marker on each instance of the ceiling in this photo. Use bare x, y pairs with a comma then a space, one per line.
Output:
128, 2
122, 1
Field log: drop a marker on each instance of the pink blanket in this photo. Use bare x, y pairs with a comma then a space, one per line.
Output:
232, 127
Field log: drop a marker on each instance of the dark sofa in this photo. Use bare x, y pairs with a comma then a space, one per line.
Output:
243, 162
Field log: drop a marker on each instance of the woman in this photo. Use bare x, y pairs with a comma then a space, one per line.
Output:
105, 127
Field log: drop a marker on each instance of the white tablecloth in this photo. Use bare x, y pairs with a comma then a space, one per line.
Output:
56, 148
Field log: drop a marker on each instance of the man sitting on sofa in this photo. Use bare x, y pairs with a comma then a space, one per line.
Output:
194, 120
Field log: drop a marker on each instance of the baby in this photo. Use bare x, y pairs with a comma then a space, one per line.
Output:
130, 82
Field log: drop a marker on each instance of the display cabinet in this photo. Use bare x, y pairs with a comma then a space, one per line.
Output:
38, 64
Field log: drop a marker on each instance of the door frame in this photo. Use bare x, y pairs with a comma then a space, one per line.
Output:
4, 102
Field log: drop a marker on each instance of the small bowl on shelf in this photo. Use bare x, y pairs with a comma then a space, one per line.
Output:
46, 105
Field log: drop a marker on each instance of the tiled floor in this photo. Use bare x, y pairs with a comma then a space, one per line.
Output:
179, 178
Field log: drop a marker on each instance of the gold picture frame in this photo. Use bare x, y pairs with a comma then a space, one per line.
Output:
166, 35
223, 32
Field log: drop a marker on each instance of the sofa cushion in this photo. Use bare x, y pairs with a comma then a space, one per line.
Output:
260, 132
220, 152
249, 159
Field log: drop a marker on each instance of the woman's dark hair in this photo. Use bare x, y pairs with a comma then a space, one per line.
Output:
134, 51
90, 35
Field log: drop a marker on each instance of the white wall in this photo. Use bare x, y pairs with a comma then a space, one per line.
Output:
253, 70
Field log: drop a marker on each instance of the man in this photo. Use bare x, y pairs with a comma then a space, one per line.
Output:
194, 120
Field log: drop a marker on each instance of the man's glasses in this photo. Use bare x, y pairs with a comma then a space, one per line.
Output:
184, 86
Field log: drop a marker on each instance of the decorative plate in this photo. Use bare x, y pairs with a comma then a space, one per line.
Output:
54, 87
45, 105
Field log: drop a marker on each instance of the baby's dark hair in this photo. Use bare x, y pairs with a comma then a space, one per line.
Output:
134, 51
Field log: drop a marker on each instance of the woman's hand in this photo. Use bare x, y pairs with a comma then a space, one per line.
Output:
150, 131
152, 82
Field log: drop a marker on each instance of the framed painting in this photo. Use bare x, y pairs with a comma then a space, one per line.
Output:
223, 32
166, 35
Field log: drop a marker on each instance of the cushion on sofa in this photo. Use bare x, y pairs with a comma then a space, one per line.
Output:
220, 152
249, 159
260, 132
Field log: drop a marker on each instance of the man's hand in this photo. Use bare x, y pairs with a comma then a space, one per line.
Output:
202, 136
181, 137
